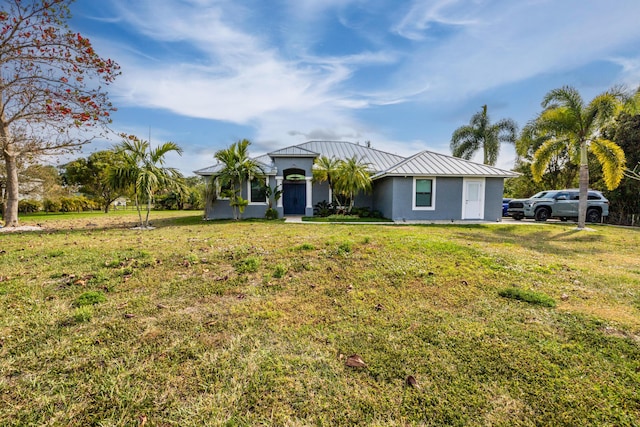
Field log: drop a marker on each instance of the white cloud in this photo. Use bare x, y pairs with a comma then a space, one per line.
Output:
423, 15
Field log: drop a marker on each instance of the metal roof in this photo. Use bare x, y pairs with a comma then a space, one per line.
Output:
377, 160
425, 163
293, 151
436, 164
209, 170
265, 162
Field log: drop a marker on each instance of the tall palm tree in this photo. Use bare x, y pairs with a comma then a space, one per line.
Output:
326, 169
570, 124
238, 169
142, 171
352, 176
481, 134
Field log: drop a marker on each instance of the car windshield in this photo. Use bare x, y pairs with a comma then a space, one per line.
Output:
540, 195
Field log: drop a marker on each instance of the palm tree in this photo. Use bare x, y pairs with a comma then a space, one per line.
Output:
481, 134
352, 176
142, 171
326, 169
238, 169
567, 123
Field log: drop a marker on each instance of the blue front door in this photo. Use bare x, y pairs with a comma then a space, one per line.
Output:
294, 198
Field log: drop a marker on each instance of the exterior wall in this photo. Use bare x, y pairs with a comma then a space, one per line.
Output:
284, 163
447, 200
494, 190
394, 198
382, 198
364, 200
220, 209
320, 193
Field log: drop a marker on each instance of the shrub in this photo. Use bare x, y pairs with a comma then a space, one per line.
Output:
323, 209
363, 212
70, 204
271, 213
50, 205
29, 206
531, 297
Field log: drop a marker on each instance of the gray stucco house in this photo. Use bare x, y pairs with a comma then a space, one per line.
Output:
427, 186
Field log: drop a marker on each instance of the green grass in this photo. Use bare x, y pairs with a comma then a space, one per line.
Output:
250, 323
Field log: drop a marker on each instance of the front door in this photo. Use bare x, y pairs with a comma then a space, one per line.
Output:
473, 199
294, 198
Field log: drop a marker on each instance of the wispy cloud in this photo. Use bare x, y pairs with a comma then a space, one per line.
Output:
423, 16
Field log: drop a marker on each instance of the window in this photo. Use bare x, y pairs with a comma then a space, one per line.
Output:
423, 193
257, 191
223, 191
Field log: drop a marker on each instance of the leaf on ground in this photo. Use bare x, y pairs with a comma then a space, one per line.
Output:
411, 382
355, 361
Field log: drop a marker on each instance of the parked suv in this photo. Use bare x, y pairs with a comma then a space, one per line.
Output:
516, 206
562, 204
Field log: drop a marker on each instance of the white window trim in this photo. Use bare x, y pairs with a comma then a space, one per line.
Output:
433, 194
249, 192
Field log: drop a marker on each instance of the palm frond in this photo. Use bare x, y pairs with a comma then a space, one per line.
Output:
612, 159
569, 98
543, 156
602, 109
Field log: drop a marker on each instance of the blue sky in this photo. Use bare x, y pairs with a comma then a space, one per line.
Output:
403, 74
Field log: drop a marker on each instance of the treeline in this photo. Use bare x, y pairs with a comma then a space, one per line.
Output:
87, 184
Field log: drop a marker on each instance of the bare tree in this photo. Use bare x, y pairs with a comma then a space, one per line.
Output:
50, 92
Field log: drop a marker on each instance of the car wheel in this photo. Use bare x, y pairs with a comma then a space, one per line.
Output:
542, 214
593, 215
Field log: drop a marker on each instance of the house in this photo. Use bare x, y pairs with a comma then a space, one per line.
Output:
427, 186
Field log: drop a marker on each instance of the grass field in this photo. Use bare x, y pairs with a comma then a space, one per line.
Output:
252, 323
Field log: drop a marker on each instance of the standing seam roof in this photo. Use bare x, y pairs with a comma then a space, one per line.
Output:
430, 163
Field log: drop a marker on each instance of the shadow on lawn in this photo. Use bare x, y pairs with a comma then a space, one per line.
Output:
548, 239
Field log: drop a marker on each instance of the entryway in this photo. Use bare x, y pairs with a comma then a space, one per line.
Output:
473, 199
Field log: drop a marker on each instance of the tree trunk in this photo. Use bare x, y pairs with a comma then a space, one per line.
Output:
139, 211
583, 186
11, 209
146, 219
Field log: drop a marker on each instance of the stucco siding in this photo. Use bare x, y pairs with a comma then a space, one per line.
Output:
447, 199
494, 190
320, 192
383, 196
283, 163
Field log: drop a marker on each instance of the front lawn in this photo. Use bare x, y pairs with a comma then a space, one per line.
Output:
253, 323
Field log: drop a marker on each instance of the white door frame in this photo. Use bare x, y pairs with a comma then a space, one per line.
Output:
468, 212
